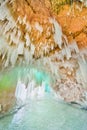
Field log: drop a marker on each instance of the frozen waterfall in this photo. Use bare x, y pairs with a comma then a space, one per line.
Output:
24, 93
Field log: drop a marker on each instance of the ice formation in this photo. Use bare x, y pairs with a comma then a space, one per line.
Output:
23, 42
57, 32
25, 93
38, 27
21, 92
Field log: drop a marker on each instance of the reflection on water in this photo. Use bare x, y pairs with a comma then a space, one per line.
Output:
46, 114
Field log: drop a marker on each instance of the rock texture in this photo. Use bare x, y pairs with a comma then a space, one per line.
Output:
34, 23
7, 100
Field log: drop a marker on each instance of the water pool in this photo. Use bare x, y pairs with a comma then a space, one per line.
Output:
46, 114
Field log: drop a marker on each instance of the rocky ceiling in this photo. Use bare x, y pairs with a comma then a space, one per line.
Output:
32, 21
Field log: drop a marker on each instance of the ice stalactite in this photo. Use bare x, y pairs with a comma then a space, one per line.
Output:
38, 27
28, 42
83, 69
33, 86
25, 93
57, 32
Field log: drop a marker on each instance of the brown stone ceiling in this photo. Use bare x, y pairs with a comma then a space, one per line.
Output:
72, 18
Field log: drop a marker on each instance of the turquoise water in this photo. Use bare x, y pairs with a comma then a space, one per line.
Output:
9, 78
46, 114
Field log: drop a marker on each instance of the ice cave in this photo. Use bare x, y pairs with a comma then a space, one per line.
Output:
43, 64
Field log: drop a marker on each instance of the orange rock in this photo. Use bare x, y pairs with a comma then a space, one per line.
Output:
74, 22
72, 19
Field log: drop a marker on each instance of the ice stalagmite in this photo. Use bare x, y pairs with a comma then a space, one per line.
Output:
20, 93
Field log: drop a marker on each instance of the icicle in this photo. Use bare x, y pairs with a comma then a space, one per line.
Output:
9, 26
30, 89
27, 55
32, 49
74, 46
20, 93
24, 20
14, 57
8, 57
28, 27
58, 32
3, 45
7, 35
19, 20
63, 52
38, 27
3, 57
20, 48
19, 34
83, 58
52, 47
60, 56
68, 53
78, 76
28, 42
67, 49
13, 38
3, 13
83, 69
40, 92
